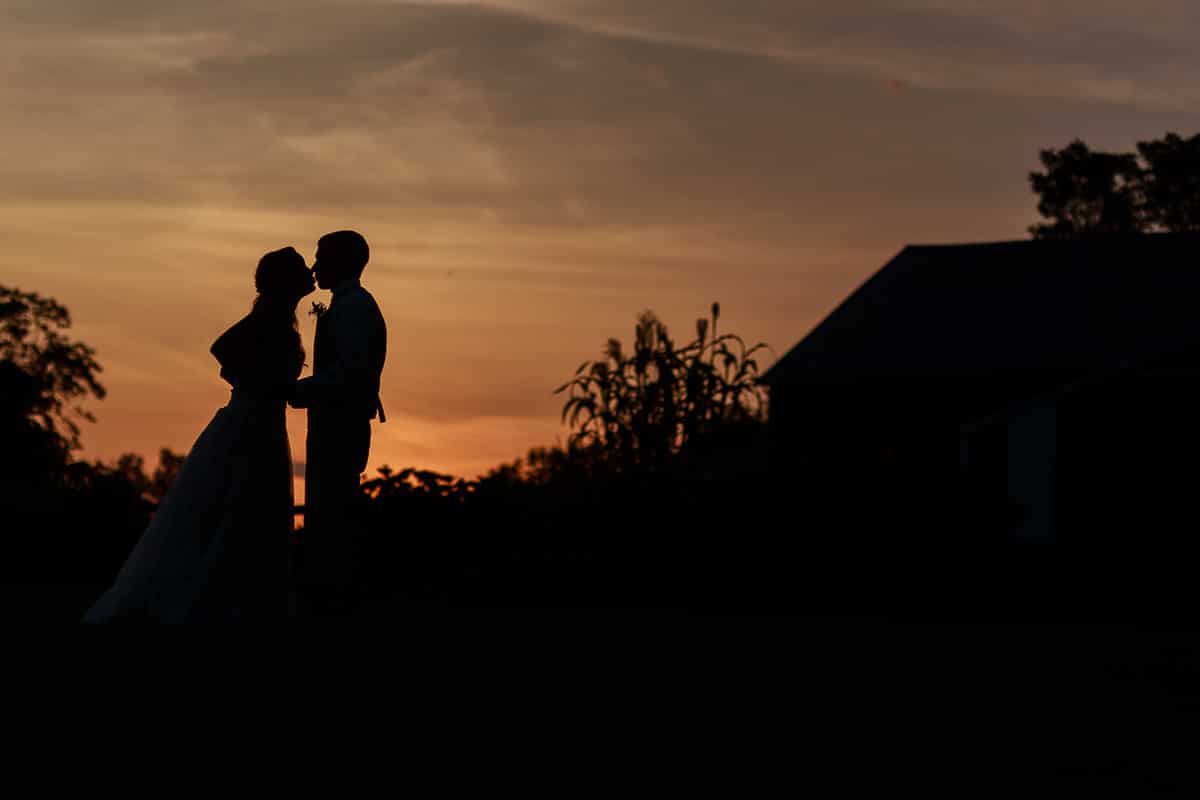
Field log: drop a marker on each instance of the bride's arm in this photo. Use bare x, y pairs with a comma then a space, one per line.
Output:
234, 350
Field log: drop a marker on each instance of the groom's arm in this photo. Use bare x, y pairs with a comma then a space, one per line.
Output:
351, 366
299, 397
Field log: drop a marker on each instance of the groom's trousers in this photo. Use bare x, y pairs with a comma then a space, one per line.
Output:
330, 551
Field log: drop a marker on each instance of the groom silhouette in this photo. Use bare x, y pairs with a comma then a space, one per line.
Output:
342, 397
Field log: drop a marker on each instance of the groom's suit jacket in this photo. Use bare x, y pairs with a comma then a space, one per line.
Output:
348, 355
342, 397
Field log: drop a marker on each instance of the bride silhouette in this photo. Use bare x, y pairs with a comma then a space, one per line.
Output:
217, 547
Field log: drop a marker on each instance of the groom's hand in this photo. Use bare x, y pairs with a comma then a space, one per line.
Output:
297, 398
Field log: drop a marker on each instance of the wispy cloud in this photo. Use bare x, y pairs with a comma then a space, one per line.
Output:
1105, 52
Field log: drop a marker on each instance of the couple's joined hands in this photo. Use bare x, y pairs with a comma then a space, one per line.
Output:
296, 396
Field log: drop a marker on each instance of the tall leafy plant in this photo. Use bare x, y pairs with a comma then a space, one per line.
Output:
638, 408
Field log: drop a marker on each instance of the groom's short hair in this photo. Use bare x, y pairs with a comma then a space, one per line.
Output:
349, 247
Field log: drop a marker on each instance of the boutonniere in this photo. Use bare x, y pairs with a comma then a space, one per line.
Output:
318, 310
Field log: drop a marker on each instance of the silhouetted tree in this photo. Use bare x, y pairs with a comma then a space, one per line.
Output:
169, 464
71, 522
58, 373
1170, 183
411, 482
131, 468
640, 408
29, 452
1085, 192
542, 466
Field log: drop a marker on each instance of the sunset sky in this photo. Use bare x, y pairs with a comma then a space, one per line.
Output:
530, 174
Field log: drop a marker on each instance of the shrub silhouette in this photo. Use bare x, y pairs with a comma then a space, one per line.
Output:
640, 408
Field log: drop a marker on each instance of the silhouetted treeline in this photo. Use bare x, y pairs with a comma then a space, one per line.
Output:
1084, 192
564, 528
724, 525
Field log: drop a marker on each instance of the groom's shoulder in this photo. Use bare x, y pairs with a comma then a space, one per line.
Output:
365, 297
361, 301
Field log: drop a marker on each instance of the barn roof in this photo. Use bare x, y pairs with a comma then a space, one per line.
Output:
1079, 305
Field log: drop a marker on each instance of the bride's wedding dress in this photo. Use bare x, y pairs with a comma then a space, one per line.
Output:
216, 549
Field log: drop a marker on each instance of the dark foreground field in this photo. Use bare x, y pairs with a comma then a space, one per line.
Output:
899, 703
1084, 699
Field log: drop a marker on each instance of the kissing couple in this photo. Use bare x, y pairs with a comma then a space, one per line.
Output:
218, 548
